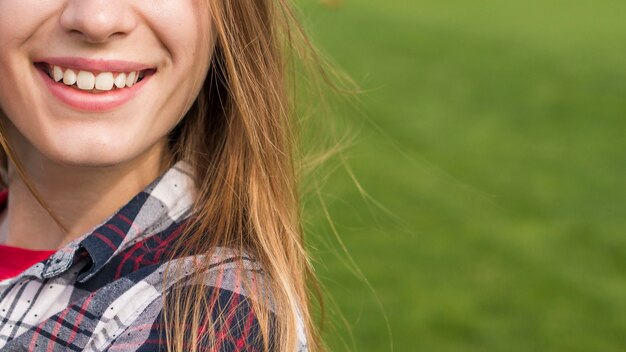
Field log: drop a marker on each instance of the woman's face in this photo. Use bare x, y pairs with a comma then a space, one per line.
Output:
99, 82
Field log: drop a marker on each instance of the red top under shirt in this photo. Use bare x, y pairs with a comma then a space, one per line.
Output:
14, 260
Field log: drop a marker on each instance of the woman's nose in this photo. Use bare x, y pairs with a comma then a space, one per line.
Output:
98, 21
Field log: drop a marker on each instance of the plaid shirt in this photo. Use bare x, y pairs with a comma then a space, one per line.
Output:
104, 290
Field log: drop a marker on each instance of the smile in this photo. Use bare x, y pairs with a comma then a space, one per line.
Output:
93, 85
103, 81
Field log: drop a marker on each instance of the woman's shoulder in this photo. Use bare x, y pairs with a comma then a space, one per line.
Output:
221, 287
135, 319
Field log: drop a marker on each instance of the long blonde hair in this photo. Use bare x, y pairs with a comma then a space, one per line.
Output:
238, 138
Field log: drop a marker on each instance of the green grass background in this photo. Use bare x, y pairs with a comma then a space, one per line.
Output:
490, 142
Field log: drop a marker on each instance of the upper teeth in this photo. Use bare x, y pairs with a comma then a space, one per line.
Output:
86, 80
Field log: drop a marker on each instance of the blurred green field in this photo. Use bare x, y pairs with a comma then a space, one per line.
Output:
492, 136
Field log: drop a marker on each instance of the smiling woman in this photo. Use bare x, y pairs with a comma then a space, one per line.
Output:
150, 195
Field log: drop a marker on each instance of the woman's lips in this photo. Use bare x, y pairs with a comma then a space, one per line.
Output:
88, 100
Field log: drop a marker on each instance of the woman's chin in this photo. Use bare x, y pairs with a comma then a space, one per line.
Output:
87, 161
88, 156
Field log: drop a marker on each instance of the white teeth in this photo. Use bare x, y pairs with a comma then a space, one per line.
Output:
130, 79
104, 81
86, 80
57, 73
69, 77
120, 80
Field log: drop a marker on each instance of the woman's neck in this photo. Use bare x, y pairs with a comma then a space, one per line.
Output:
79, 197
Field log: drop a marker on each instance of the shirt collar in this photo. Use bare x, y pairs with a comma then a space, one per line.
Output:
166, 201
